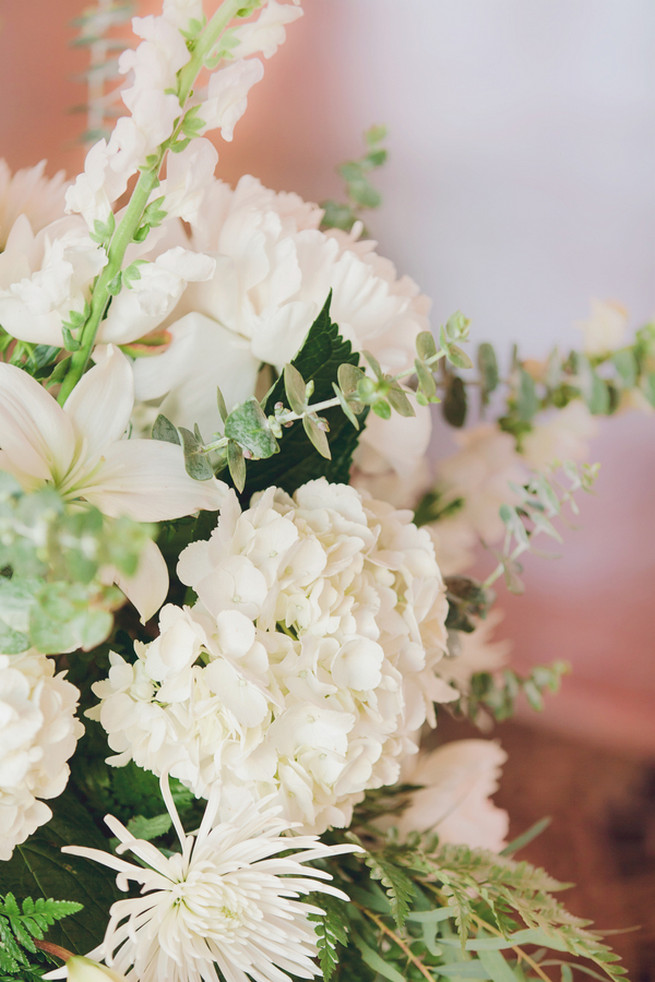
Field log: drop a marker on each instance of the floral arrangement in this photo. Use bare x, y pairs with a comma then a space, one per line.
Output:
234, 600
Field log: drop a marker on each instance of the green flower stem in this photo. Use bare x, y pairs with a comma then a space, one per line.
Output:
147, 182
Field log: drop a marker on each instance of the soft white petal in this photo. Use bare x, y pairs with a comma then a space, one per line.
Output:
101, 402
146, 480
148, 587
35, 434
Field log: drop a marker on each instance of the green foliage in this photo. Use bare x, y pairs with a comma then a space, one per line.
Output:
20, 925
498, 692
37, 868
468, 600
51, 557
331, 931
449, 911
360, 193
317, 362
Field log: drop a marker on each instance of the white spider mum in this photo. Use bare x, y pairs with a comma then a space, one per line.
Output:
227, 903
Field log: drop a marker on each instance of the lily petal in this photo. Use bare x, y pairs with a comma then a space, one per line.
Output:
146, 480
147, 589
36, 436
101, 402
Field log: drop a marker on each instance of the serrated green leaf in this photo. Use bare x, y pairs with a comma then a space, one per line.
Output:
318, 360
149, 828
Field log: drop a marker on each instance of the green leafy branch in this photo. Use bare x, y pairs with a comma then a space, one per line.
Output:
424, 910
22, 925
541, 500
52, 595
360, 193
325, 367
602, 382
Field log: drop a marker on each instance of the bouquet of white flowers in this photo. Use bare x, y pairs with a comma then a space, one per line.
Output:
234, 599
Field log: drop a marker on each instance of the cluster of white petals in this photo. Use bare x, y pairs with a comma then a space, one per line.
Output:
605, 328
225, 907
28, 192
38, 733
274, 271
564, 435
458, 780
305, 667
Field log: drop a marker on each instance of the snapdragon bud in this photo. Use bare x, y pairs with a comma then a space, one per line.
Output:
82, 969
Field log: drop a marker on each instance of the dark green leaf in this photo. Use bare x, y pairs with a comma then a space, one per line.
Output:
454, 405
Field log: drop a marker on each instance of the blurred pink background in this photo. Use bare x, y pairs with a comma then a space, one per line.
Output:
520, 185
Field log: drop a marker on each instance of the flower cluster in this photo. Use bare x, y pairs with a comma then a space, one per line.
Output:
38, 733
307, 664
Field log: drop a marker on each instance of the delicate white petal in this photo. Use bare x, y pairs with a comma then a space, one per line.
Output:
148, 587
35, 434
146, 480
101, 403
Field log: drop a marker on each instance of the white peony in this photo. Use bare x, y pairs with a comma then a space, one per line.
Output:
305, 667
458, 779
479, 474
28, 192
274, 271
38, 733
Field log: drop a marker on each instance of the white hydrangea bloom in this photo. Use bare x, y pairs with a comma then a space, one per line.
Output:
28, 192
274, 271
38, 733
458, 780
605, 329
225, 907
307, 664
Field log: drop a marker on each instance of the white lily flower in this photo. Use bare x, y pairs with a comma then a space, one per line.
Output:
80, 451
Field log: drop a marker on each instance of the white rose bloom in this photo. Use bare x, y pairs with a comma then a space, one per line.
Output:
564, 436
28, 192
225, 907
38, 733
274, 271
480, 473
605, 329
305, 667
458, 779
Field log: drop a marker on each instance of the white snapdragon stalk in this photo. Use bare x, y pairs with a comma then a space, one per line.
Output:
224, 907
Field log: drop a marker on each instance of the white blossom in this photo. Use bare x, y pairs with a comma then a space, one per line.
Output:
225, 907
565, 435
479, 474
188, 175
307, 664
180, 13
227, 95
45, 277
265, 34
274, 271
38, 734
80, 451
458, 780
605, 329
28, 192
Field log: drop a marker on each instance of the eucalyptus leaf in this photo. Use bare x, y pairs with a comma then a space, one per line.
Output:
248, 426
454, 405
317, 436
295, 388
164, 430
195, 461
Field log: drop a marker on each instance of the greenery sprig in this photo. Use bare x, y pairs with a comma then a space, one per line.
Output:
361, 194
20, 926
